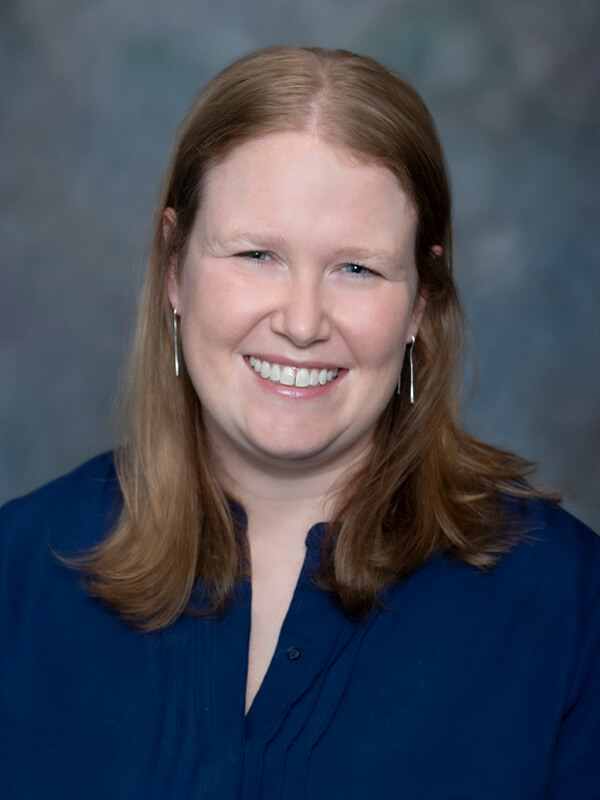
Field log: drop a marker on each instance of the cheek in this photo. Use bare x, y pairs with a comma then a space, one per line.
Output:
216, 313
378, 333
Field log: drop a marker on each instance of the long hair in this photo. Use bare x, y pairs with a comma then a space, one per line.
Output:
428, 487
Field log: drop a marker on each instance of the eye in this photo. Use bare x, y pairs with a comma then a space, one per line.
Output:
357, 271
254, 255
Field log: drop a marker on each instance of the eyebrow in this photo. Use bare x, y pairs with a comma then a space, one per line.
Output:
249, 241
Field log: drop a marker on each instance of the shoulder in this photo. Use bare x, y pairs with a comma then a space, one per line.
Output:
71, 512
552, 542
64, 518
550, 580
555, 576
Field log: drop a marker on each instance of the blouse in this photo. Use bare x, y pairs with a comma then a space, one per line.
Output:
463, 685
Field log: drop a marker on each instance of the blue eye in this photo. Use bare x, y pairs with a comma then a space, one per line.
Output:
356, 270
255, 255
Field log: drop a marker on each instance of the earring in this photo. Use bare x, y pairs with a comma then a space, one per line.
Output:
175, 345
412, 374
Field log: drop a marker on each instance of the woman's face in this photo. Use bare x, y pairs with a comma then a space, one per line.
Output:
297, 296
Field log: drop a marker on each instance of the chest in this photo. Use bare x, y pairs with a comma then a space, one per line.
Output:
446, 693
272, 592
358, 710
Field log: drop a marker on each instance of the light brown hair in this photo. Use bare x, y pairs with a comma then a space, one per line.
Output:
428, 487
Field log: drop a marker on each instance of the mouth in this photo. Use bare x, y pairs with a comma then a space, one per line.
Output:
286, 375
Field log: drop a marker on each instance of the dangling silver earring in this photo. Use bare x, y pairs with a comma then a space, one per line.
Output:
175, 343
412, 374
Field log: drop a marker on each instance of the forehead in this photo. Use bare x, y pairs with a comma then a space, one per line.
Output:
288, 144
287, 177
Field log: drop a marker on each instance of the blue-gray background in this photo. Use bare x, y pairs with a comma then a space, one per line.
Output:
91, 93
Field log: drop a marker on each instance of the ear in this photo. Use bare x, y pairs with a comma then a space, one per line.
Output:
419, 307
169, 223
420, 303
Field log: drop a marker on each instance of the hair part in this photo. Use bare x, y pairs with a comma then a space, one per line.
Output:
428, 486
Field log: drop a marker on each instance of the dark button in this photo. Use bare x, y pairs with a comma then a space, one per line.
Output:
293, 653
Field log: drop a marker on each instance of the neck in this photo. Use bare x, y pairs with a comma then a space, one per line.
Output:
281, 497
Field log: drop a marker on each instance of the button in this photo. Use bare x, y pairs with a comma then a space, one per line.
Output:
293, 653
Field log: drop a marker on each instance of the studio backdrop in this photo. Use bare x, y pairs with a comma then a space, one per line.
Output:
90, 99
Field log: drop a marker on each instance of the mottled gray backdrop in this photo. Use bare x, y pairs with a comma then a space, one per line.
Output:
91, 93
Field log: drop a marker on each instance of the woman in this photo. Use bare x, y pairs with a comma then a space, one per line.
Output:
436, 633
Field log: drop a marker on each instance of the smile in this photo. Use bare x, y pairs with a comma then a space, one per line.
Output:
292, 376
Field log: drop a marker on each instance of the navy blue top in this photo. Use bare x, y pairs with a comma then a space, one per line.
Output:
468, 686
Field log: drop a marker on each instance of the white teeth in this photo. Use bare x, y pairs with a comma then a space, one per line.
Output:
302, 377
292, 376
287, 375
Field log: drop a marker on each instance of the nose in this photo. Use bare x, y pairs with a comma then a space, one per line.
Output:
301, 315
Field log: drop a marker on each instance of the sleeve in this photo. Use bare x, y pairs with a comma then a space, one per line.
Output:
576, 763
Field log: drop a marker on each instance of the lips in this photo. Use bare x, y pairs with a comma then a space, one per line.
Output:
287, 375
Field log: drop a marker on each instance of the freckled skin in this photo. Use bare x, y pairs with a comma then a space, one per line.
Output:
269, 273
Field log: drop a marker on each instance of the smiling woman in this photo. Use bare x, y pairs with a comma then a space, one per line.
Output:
296, 306
330, 589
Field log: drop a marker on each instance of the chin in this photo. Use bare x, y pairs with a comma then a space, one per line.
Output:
284, 456
334, 451
292, 458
